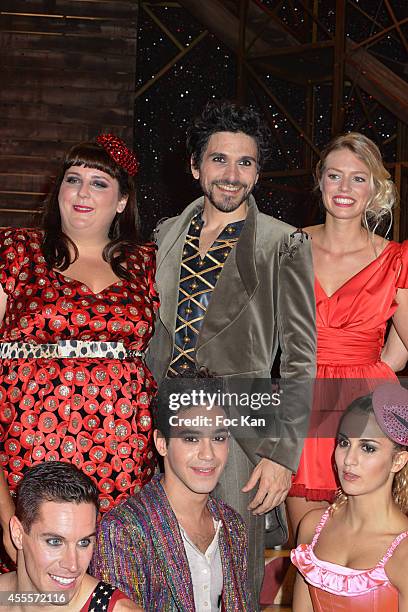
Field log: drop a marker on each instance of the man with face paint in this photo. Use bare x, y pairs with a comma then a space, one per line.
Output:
234, 283
172, 546
53, 531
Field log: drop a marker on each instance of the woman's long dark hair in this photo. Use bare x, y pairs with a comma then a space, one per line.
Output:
123, 233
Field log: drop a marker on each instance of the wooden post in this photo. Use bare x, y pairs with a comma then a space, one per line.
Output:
241, 74
400, 227
338, 72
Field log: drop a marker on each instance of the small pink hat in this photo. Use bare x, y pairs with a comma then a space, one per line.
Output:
390, 403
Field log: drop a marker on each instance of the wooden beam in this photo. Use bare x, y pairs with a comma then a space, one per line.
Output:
163, 28
294, 50
360, 66
170, 65
397, 25
377, 80
372, 39
282, 108
338, 69
241, 80
223, 23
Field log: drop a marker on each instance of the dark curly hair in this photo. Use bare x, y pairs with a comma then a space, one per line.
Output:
225, 116
124, 231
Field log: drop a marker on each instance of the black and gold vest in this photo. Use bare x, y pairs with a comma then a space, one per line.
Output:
198, 278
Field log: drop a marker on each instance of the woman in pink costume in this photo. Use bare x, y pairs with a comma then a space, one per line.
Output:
367, 527
360, 284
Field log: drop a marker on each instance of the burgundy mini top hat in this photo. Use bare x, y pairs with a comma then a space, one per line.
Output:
390, 403
119, 152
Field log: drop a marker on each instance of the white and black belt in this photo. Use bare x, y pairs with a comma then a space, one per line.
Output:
66, 349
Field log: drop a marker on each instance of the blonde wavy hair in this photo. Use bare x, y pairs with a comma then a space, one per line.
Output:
384, 193
400, 483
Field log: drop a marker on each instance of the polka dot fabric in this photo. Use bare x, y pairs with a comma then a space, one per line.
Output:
92, 412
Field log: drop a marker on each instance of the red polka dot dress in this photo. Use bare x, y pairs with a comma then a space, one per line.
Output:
91, 411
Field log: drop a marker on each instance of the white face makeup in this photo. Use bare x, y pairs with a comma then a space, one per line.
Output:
58, 548
197, 451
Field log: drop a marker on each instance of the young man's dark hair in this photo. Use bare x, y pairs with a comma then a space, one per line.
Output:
224, 116
52, 482
165, 403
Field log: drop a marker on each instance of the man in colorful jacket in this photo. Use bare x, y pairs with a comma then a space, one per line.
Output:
172, 546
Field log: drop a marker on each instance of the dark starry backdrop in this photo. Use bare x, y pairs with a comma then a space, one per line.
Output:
165, 185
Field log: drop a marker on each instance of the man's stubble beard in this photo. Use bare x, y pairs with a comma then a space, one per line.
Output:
227, 203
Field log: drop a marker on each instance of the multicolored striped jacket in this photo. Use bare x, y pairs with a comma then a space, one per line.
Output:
139, 549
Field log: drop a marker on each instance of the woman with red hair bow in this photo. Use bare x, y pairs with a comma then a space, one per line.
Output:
77, 304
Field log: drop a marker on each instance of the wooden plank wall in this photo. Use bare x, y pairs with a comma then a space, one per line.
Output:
67, 73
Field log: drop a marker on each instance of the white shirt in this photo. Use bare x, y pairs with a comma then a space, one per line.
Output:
206, 572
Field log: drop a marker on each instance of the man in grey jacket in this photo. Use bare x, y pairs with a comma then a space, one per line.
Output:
234, 283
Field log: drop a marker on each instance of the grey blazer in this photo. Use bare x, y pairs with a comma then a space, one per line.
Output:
264, 297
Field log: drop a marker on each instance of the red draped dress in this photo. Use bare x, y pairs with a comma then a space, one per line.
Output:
351, 325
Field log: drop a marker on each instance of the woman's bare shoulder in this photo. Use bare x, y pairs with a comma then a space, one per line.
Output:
379, 242
312, 230
308, 525
396, 567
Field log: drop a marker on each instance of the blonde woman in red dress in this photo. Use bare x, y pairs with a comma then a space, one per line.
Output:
360, 283
77, 303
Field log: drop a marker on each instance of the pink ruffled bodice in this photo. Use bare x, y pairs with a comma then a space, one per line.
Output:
335, 585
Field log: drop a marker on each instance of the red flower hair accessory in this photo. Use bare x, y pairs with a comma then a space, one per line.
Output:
119, 152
